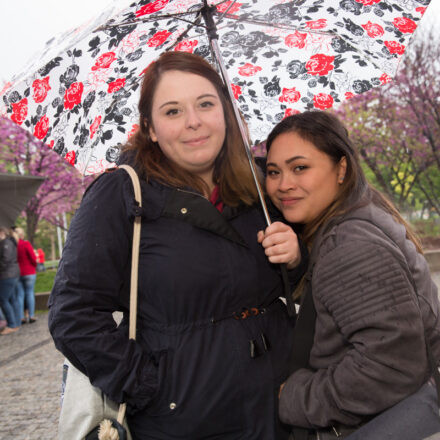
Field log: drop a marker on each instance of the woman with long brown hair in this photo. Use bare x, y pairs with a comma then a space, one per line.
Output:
210, 352
368, 283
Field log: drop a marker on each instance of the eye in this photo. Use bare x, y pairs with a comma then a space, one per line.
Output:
171, 112
272, 173
206, 104
299, 168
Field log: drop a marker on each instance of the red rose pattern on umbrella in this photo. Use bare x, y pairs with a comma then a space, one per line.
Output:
95, 126
405, 25
151, 8
297, 39
236, 90
186, 46
290, 112
317, 24
104, 61
384, 79
373, 30
395, 47
320, 64
224, 7
323, 101
42, 127
273, 71
19, 111
116, 85
368, 2
70, 157
290, 95
41, 88
249, 70
158, 38
73, 94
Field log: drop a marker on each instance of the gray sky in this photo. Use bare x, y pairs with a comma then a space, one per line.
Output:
25, 26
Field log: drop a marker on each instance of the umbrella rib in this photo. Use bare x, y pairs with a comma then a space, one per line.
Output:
183, 34
226, 11
277, 25
310, 31
177, 16
359, 51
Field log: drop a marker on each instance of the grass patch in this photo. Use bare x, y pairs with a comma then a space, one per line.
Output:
44, 281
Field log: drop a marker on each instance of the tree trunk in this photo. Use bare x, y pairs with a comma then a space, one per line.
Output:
31, 225
52, 247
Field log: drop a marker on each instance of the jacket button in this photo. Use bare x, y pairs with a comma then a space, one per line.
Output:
173, 405
183, 210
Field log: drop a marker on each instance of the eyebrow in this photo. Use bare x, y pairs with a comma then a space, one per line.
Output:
206, 95
290, 160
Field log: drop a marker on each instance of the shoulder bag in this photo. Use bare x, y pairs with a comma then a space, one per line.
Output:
86, 412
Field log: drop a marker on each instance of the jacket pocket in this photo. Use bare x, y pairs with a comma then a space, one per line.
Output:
162, 403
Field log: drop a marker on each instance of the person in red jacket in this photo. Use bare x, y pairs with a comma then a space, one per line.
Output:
28, 274
40, 260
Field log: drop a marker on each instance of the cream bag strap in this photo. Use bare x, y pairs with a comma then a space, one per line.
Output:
134, 267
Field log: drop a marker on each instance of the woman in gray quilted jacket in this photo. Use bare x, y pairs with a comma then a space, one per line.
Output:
370, 285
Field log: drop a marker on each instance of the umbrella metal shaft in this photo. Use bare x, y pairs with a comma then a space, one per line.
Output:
213, 39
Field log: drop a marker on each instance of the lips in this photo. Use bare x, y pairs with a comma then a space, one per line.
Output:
196, 141
289, 201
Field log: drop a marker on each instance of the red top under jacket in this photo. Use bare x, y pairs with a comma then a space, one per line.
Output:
26, 258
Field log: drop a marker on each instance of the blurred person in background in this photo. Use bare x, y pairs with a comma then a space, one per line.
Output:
40, 260
9, 274
27, 261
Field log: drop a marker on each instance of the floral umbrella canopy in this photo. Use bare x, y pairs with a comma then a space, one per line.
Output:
80, 97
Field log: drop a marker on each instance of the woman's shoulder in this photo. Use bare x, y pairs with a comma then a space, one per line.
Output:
367, 224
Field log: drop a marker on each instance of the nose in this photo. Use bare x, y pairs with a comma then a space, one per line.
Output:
193, 119
286, 183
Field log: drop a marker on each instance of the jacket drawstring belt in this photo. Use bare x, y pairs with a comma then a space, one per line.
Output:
243, 315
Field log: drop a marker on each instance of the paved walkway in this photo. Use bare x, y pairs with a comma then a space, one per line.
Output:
30, 383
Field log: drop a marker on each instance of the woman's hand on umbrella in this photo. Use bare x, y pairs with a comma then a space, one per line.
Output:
280, 244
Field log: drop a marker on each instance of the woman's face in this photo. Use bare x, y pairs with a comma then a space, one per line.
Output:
301, 180
188, 122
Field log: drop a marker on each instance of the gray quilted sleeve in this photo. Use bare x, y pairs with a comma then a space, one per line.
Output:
365, 295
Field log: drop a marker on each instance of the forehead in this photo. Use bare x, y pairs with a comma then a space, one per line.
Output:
290, 144
176, 85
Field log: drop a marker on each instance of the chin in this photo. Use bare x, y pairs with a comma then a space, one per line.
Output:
291, 217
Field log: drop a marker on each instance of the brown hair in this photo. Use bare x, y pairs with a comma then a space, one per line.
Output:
326, 132
231, 168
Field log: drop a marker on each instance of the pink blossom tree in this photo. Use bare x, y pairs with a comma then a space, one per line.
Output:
21, 153
396, 128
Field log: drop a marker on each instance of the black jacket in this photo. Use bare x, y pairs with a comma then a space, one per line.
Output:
8, 259
190, 374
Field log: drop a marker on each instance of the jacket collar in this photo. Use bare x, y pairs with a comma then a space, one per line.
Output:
193, 208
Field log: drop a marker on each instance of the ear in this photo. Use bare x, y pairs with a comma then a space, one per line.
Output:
152, 133
342, 169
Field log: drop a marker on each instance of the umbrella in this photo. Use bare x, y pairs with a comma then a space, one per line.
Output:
15, 192
277, 58
281, 56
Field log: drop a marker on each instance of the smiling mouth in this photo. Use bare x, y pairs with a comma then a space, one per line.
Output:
196, 141
291, 201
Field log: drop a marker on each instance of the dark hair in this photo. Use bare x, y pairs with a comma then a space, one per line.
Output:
327, 133
231, 168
